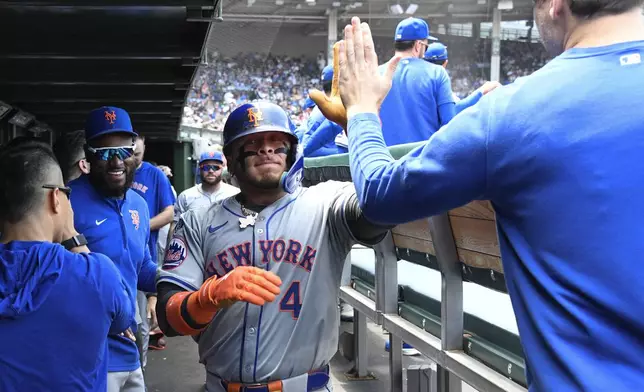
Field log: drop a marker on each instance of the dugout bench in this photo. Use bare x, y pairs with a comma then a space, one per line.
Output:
471, 333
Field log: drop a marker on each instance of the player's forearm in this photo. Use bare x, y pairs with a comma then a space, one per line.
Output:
146, 281
447, 171
470, 100
446, 112
179, 312
323, 135
362, 229
162, 219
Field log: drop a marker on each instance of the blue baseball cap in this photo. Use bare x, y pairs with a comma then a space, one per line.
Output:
436, 52
211, 156
106, 120
327, 73
412, 29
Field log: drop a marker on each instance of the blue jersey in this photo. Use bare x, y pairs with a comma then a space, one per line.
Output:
119, 229
560, 158
154, 186
410, 112
56, 310
320, 141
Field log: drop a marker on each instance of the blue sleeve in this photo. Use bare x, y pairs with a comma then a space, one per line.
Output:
299, 132
323, 135
147, 274
444, 96
147, 268
470, 100
446, 171
446, 112
114, 293
166, 196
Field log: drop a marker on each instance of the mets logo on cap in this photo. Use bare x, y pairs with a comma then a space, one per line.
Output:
110, 117
134, 214
254, 116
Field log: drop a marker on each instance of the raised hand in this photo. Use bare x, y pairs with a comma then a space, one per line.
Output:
331, 106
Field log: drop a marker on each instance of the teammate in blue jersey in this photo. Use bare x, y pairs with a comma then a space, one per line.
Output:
436, 53
559, 155
154, 186
319, 139
420, 99
116, 222
58, 301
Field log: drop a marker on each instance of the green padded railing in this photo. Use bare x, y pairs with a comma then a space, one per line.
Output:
336, 167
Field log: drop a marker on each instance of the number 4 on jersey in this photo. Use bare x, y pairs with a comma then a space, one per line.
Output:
291, 301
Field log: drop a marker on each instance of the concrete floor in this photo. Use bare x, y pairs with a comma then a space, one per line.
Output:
177, 369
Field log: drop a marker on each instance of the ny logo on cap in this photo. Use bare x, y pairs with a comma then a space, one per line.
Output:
110, 117
255, 116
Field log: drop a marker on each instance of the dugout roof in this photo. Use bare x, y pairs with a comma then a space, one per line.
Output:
61, 58
311, 14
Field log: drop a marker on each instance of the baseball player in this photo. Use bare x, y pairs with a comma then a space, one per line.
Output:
211, 189
437, 54
420, 100
58, 301
559, 155
116, 223
257, 276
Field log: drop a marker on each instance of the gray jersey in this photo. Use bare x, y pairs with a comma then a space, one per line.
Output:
304, 239
195, 198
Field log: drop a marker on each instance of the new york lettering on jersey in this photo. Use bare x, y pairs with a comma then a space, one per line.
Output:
302, 238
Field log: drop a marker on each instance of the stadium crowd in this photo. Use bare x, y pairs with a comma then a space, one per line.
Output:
230, 81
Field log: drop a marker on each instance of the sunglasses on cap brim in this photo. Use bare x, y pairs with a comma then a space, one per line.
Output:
107, 153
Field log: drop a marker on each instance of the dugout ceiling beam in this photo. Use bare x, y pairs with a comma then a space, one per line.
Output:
65, 58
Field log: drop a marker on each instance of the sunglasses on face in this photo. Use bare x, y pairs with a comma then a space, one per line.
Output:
207, 168
107, 153
66, 190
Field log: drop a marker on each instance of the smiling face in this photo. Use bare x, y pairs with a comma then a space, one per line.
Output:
112, 163
260, 159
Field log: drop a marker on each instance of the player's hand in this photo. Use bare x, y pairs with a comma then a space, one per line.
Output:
331, 106
361, 85
129, 334
488, 86
248, 284
152, 312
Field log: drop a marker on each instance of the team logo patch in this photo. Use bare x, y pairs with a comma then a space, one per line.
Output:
255, 116
176, 254
110, 116
135, 218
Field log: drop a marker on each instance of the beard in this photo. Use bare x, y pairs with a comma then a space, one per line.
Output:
100, 182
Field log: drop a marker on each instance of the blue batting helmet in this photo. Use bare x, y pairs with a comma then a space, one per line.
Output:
256, 117
436, 52
264, 116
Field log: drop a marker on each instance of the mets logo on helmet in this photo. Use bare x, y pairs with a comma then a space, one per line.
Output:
110, 116
254, 116
135, 218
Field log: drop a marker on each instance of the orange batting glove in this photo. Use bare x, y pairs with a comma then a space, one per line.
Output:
248, 284
332, 107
